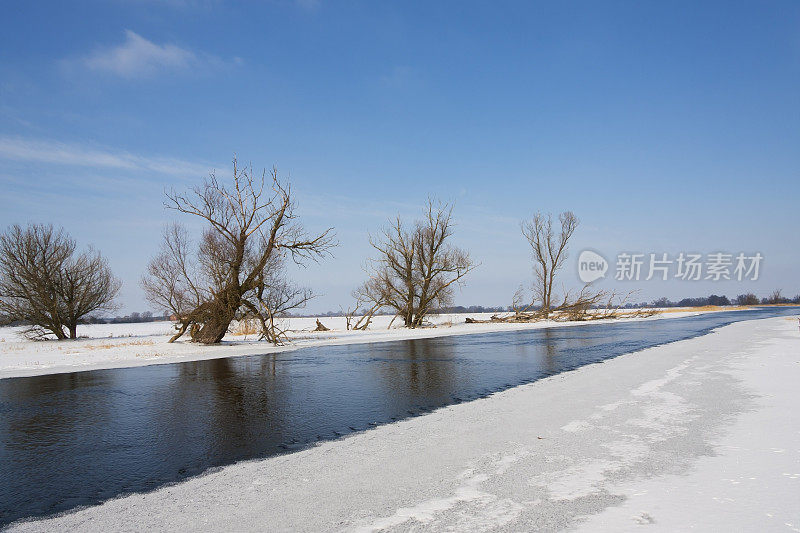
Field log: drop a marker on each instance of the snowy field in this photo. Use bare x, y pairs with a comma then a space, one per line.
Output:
701, 434
125, 345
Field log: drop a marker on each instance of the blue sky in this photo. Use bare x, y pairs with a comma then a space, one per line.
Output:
665, 127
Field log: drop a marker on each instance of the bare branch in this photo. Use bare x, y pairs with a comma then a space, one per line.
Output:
43, 282
416, 269
251, 229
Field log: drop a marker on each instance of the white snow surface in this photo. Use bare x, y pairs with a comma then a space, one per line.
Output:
701, 434
139, 344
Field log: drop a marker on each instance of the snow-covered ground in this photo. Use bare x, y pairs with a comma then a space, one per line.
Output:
699, 434
125, 345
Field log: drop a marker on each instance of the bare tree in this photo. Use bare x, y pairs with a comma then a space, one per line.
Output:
416, 269
45, 284
520, 304
170, 282
236, 270
549, 252
368, 301
586, 304
775, 297
272, 300
549, 247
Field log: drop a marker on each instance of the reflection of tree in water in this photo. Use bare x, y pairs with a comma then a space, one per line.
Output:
537, 351
551, 362
232, 408
47, 432
553, 350
46, 410
420, 372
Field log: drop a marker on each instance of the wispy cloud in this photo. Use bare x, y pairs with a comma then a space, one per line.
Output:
44, 151
138, 57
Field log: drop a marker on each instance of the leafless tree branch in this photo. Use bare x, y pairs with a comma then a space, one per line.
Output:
45, 284
251, 230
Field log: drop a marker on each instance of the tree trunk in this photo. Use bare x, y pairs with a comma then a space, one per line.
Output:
58, 331
216, 317
213, 331
181, 331
73, 331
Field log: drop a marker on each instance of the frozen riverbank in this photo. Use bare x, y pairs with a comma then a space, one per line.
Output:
128, 345
698, 433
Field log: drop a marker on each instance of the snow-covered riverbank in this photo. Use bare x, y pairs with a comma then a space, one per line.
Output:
701, 433
126, 345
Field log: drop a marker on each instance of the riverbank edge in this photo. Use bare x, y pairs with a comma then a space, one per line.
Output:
19, 359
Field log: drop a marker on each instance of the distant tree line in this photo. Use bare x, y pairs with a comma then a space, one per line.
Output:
743, 299
474, 309
133, 318
145, 316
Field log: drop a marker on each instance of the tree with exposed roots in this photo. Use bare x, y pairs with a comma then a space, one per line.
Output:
236, 270
46, 285
416, 269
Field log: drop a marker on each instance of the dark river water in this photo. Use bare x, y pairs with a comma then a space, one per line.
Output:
69, 440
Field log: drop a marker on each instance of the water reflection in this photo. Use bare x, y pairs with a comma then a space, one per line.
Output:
426, 371
80, 438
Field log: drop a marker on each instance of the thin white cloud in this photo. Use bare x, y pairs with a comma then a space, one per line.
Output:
138, 57
39, 151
